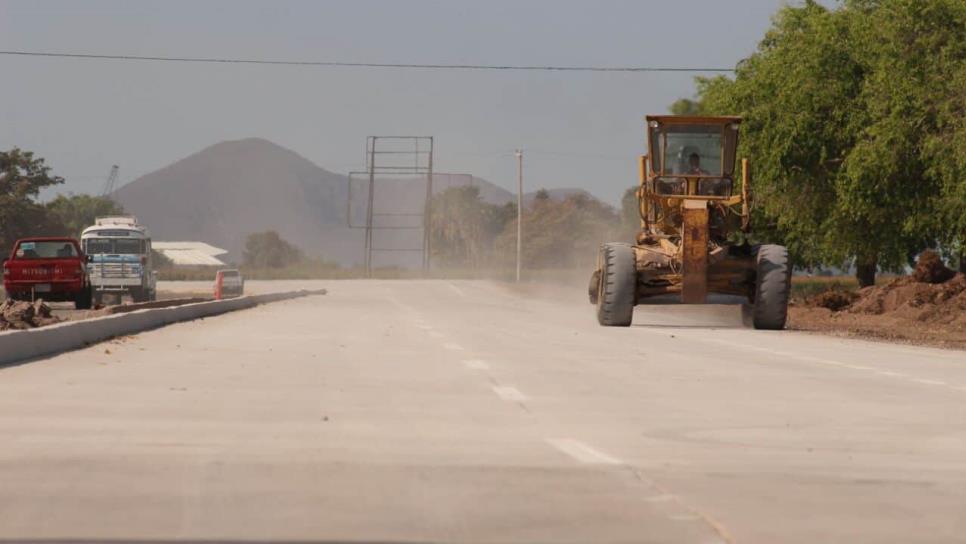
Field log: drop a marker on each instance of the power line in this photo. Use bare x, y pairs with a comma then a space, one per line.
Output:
521, 68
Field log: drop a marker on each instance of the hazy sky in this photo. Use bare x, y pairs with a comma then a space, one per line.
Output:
577, 129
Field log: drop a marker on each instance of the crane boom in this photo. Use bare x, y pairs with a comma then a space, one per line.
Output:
111, 181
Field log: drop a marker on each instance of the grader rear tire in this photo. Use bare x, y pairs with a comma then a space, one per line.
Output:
618, 282
772, 288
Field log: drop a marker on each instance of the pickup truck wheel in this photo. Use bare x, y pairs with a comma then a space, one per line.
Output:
137, 295
84, 299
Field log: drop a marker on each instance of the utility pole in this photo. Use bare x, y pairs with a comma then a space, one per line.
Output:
519, 154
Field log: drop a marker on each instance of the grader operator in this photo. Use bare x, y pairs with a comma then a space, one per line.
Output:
691, 210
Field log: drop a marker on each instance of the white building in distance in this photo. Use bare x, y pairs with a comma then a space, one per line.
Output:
190, 253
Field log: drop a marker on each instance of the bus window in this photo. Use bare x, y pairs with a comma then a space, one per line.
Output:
128, 246
99, 246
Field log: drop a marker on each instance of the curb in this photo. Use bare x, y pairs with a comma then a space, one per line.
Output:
27, 344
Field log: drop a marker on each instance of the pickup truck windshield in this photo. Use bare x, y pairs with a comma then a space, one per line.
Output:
45, 250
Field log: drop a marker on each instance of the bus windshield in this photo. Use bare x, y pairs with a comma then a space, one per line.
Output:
100, 246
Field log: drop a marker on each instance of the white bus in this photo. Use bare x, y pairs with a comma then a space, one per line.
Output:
121, 263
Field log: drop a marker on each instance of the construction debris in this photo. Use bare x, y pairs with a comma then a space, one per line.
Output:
25, 315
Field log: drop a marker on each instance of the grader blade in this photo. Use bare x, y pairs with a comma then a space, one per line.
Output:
694, 266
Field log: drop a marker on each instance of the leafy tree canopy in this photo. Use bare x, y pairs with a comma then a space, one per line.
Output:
854, 119
77, 212
463, 226
561, 233
22, 176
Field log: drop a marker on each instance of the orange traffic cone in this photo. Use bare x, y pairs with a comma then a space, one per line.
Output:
219, 280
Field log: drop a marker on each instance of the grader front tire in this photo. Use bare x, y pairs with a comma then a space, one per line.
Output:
773, 287
618, 283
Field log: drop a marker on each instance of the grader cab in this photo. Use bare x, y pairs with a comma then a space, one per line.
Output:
692, 209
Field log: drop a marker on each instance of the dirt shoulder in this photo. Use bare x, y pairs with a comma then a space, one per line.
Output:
875, 327
926, 307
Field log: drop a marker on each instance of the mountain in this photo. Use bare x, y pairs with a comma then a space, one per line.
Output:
225, 192
229, 190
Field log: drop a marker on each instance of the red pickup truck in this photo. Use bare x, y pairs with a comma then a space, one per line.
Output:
53, 269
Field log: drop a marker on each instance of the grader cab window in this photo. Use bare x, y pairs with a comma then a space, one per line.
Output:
692, 150
703, 151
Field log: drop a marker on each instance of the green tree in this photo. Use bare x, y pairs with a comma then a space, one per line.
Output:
77, 212
850, 119
918, 96
463, 226
686, 106
909, 50
269, 250
22, 176
561, 233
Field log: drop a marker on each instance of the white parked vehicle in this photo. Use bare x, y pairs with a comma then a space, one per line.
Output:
121, 263
232, 283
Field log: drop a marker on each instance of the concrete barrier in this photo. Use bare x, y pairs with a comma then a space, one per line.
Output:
26, 344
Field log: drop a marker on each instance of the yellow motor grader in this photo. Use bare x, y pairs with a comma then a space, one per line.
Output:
691, 210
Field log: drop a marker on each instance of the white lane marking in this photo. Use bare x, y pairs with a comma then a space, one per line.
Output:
510, 394
424, 326
476, 364
452, 346
660, 498
436, 334
832, 363
684, 517
456, 289
824, 362
582, 452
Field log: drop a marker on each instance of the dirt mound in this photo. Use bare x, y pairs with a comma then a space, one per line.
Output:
926, 306
833, 299
911, 298
931, 269
25, 315
915, 309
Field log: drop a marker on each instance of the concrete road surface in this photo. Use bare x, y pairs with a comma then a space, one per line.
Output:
438, 411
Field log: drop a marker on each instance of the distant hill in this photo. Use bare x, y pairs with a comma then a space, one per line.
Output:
231, 189
226, 191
